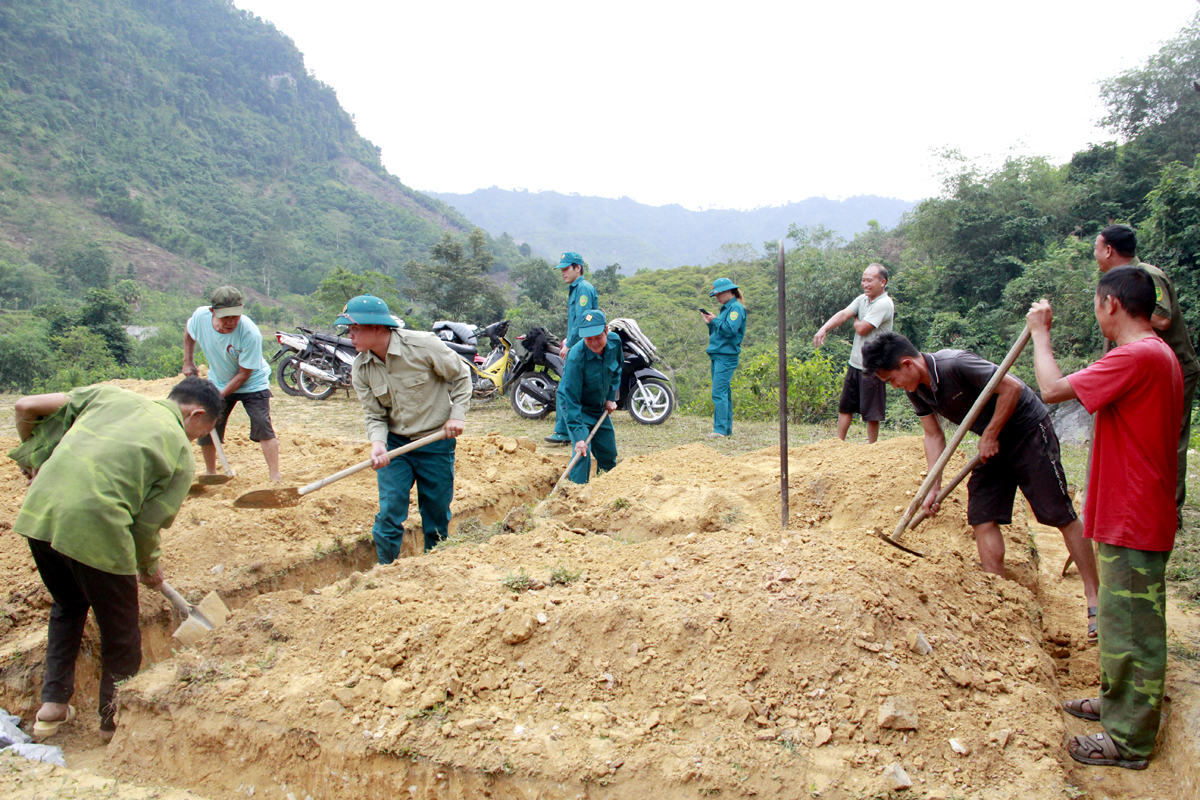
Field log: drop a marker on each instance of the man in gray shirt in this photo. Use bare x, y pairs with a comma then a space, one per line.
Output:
862, 392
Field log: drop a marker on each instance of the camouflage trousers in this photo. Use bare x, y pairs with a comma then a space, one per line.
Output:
1133, 645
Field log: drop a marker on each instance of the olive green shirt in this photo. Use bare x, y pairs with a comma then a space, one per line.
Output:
119, 472
1166, 304
422, 385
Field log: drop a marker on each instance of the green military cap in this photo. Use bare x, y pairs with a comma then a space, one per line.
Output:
366, 309
592, 324
568, 259
227, 302
722, 285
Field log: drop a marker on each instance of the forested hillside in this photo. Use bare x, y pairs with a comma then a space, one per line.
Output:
180, 144
639, 236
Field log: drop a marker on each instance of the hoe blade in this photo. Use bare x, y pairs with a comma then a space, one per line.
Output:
269, 498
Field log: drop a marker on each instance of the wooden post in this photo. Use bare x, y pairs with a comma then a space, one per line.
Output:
783, 387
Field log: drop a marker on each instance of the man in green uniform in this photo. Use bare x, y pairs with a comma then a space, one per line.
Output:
581, 298
589, 384
110, 469
1115, 247
410, 384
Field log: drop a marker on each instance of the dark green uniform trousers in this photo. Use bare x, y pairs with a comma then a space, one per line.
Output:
604, 445
432, 468
1132, 624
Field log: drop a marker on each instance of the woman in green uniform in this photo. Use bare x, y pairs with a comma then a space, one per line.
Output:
725, 332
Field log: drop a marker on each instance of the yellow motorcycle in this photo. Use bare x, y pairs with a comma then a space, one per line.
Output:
490, 374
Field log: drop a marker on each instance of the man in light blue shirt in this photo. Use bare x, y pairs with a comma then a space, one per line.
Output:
232, 344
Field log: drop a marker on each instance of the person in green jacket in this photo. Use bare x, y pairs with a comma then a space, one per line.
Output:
109, 468
581, 298
589, 384
725, 332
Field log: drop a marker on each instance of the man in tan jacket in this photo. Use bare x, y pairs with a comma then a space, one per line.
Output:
410, 385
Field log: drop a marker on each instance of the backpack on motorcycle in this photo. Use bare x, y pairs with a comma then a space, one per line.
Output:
538, 342
632, 336
460, 332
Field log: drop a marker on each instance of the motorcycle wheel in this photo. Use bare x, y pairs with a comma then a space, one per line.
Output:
286, 376
652, 402
527, 406
315, 388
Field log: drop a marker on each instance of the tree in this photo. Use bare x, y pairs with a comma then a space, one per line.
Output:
536, 280
456, 286
340, 284
608, 280
86, 268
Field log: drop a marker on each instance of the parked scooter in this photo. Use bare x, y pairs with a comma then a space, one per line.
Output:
540, 366
490, 374
643, 391
313, 364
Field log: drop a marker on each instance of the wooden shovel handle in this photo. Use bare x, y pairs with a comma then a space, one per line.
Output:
967, 422
337, 476
947, 489
216, 440
575, 459
182, 607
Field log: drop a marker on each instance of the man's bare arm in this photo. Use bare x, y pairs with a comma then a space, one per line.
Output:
935, 443
837, 319
1007, 395
1053, 386
863, 328
189, 352
28, 410
1160, 323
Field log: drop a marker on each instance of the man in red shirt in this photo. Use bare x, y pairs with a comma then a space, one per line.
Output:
1136, 391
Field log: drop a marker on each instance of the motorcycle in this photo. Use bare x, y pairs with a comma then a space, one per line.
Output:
490, 375
643, 391
314, 365
539, 365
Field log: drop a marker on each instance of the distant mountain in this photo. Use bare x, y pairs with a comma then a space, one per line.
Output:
636, 235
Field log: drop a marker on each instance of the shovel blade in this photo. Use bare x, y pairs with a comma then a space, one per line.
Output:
213, 480
269, 498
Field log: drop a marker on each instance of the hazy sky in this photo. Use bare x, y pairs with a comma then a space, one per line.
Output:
746, 104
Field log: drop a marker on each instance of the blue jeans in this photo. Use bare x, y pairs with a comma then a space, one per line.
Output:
722, 393
432, 468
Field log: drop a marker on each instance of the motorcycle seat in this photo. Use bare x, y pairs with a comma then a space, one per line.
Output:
338, 340
462, 349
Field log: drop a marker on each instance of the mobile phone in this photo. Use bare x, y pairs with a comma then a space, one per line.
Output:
702, 310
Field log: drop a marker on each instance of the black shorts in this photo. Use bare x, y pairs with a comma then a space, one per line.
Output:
258, 408
1030, 460
863, 393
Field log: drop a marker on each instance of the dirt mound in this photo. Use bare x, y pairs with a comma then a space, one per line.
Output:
240, 553
716, 655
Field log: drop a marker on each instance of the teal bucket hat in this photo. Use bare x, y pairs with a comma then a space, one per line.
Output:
568, 259
366, 310
722, 285
592, 324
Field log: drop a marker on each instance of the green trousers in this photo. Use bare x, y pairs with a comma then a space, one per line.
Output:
604, 446
432, 468
1133, 646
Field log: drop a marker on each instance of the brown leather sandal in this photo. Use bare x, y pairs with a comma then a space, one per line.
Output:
1100, 751
1087, 708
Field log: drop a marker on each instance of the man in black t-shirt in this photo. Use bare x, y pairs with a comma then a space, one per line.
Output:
1016, 441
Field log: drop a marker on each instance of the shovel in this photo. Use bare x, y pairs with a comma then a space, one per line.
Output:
952, 445
198, 620
217, 480
541, 507
286, 498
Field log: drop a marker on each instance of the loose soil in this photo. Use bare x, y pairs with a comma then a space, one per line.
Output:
657, 633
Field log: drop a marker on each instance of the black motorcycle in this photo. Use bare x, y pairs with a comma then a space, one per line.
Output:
313, 365
539, 367
643, 391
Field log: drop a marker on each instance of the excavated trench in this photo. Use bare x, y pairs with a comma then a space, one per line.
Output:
715, 654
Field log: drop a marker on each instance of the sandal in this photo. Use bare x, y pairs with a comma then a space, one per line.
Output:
1087, 708
45, 728
1092, 635
1101, 751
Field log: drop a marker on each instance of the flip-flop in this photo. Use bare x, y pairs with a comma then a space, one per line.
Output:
1088, 708
45, 728
1100, 751
1092, 635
